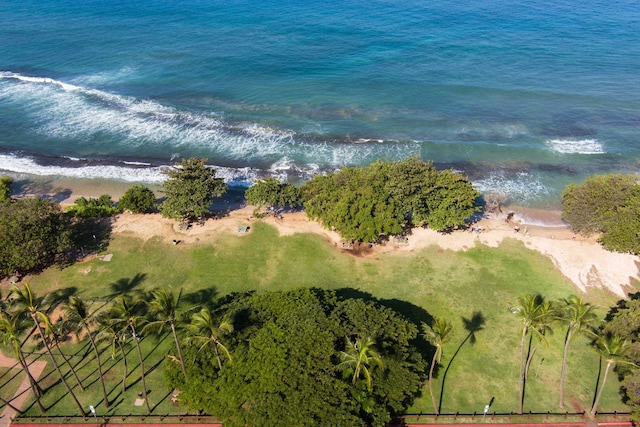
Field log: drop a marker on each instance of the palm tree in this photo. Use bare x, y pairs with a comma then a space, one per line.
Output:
613, 349
79, 317
25, 301
358, 357
436, 335
164, 308
580, 318
126, 315
205, 331
11, 329
528, 312
542, 327
54, 331
109, 332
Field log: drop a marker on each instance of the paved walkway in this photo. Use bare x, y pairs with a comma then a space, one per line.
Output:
36, 368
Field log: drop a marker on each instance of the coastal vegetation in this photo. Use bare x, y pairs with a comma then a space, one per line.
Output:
189, 189
271, 193
244, 333
608, 205
382, 199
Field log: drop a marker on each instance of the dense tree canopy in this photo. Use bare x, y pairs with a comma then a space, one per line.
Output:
137, 199
5, 188
624, 321
285, 361
365, 203
190, 189
272, 193
33, 234
607, 204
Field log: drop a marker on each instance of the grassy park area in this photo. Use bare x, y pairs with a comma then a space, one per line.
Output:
473, 288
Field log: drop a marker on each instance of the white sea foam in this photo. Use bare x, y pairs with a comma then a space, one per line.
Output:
576, 146
26, 165
520, 187
96, 117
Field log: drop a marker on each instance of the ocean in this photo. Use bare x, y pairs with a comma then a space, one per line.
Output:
524, 97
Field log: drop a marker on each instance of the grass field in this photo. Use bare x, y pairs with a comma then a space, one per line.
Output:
429, 282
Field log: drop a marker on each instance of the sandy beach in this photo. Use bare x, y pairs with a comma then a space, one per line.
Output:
582, 260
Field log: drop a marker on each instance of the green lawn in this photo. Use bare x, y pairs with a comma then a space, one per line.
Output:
432, 282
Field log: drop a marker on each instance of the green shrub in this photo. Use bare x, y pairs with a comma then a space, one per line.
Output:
102, 207
270, 192
137, 199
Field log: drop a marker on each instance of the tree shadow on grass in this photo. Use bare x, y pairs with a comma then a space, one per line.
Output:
125, 285
202, 298
472, 325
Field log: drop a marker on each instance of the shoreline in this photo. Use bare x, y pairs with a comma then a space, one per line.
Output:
581, 259
66, 189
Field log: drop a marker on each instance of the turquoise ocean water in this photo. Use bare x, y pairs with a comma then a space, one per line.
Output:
524, 96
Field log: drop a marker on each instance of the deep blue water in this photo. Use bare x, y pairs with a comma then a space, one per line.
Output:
523, 96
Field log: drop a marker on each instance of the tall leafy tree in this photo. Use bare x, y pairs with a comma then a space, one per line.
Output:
613, 349
358, 357
12, 328
25, 301
80, 319
206, 331
126, 315
165, 311
437, 334
580, 319
190, 188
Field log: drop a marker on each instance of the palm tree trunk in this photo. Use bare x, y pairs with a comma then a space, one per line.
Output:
604, 380
95, 349
175, 338
521, 399
529, 360
215, 348
136, 339
23, 362
564, 367
55, 340
433, 398
126, 366
53, 359
35, 388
